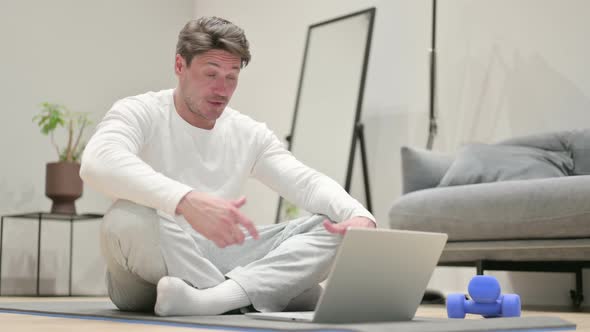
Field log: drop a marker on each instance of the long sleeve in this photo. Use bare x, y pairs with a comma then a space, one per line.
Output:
111, 164
315, 192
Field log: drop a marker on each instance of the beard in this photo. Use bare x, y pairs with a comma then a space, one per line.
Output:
193, 108
200, 105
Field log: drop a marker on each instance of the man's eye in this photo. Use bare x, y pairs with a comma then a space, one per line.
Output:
231, 78
211, 75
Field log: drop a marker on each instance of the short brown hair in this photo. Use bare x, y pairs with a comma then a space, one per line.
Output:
207, 33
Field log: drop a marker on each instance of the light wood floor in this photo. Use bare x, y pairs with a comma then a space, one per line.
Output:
22, 323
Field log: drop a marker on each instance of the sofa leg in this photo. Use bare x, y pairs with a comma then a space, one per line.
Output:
577, 295
479, 267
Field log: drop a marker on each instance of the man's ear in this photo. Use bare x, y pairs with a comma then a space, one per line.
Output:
179, 64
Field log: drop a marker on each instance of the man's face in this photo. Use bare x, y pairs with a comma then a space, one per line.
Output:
207, 85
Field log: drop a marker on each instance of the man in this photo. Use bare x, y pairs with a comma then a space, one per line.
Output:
175, 241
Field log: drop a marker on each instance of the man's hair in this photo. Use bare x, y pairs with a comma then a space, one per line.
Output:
209, 33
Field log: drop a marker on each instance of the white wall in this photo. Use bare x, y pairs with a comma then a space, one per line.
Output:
86, 55
506, 68
511, 68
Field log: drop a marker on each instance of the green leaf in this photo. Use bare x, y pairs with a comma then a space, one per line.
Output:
51, 116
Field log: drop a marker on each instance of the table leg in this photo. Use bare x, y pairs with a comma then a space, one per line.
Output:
38, 253
71, 254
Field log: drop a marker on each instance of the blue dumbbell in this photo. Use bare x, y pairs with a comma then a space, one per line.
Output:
486, 300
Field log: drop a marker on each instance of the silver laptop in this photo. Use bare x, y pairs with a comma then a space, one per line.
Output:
378, 275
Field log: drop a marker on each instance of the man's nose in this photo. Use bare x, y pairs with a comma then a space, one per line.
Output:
221, 87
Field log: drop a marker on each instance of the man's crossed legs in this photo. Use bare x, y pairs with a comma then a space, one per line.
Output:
159, 265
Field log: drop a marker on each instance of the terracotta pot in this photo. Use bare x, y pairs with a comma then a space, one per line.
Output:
63, 186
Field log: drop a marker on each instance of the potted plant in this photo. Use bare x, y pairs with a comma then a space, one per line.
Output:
62, 179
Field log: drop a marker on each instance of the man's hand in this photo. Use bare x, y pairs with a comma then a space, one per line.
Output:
215, 218
342, 227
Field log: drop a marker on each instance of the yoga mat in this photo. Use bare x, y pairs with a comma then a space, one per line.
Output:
105, 310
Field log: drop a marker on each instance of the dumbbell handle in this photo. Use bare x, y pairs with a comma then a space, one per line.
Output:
484, 309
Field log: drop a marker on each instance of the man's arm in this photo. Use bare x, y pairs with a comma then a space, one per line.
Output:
315, 192
111, 164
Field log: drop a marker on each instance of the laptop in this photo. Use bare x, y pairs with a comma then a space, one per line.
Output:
377, 275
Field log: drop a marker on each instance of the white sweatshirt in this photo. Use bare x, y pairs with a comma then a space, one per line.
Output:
143, 151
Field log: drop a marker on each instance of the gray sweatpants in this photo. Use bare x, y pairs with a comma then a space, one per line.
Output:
140, 247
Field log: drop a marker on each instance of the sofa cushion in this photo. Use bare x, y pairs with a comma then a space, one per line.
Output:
552, 208
481, 163
580, 147
575, 142
422, 169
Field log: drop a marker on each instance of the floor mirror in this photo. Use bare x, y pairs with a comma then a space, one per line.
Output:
326, 127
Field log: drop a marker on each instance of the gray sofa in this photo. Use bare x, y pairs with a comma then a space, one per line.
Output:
520, 204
